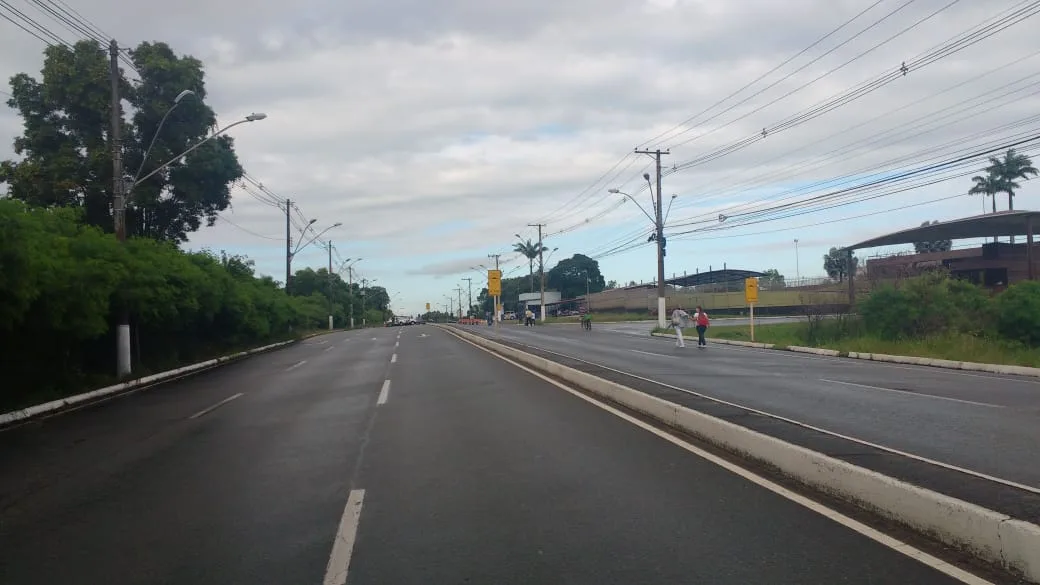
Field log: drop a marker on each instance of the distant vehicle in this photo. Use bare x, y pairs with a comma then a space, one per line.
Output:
509, 316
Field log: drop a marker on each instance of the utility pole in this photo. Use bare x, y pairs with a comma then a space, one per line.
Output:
470, 282
498, 298
541, 267
330, 285
661, 298
350, 287
288, 244
451, 306
364, 287
459, 290
123, 366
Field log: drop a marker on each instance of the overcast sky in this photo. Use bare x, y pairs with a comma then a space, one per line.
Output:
436, 130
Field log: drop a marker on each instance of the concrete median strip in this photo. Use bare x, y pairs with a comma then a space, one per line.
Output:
986, 534
1005, 370
140, 383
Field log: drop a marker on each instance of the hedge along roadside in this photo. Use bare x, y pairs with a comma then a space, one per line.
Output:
991, 536
881, 357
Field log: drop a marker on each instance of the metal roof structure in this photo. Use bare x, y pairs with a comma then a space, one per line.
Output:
712, 277
1002, 223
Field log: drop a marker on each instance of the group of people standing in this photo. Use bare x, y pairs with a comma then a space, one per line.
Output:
681, 319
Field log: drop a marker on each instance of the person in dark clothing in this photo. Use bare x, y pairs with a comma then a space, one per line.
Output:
702, 322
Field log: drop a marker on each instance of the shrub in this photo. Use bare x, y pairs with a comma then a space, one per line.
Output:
924, 306
1018, 313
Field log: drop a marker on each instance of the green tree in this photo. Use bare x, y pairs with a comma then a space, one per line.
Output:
836, 264
987, 186
569, 275
1009, 170
529, 250
772, 279
611, 284
65, 145
935, 246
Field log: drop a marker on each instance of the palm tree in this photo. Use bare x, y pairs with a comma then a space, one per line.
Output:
529, 250
1013, 167
987, 186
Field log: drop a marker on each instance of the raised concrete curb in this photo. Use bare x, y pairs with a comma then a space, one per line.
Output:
988, 535
64, 403
894, 359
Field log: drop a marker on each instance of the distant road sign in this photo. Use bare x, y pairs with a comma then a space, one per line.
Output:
494, 283
751, 290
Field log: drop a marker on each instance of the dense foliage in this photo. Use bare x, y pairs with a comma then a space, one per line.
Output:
65, 157
60, 278
936, 305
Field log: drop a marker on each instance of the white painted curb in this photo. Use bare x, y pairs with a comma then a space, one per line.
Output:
55, 405
991, 536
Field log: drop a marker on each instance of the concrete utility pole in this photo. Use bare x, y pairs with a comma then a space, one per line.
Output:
123, 366
330, 285
541, 267
288, 244
459, 290
470, 282
661, 298
498, 299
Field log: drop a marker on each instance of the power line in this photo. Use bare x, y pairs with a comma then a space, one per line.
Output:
246, 230
803, 67
40, 29
865, 88
772, 176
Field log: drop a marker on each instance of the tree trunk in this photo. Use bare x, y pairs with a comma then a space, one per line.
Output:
1011, 207
530, 269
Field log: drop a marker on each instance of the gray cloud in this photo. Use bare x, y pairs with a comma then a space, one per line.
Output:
393, 117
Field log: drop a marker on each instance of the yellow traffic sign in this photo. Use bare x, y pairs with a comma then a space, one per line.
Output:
751, 290
494, 283
427, 306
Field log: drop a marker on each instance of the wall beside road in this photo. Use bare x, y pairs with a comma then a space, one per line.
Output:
833, 298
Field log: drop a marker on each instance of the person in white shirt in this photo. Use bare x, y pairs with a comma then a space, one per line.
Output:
679, 319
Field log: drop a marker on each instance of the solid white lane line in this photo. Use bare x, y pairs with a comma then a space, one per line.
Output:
384, 394
917, 394
393, 358
296, 365
343, 546
398, 344
329, 348
216, 406
887, 449
834, 515
654, 354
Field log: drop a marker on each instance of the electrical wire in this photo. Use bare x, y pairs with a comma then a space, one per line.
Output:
246, 230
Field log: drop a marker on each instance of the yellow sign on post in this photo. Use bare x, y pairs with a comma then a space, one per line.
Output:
751, 297
427, 307
494, 283
751, 290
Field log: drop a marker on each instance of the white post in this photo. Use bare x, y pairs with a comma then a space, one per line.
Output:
752, 321
330, 322
661, 308
123, 349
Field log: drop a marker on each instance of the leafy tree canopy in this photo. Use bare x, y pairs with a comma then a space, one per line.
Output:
836, 264
64, 149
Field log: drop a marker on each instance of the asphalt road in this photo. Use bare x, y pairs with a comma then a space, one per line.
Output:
981, 422
459, 467
644, 327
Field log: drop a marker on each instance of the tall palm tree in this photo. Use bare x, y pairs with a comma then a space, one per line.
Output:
529, 250
1010, 169
987, 186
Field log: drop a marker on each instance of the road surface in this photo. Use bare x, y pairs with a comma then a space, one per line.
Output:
982, 422
395, 456
644, 327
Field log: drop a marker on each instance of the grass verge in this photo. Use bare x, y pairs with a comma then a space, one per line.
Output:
957, 347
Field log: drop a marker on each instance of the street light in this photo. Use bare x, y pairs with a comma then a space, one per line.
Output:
250, 118
797, 268
658, 223
350, 286
290, 254
176, 102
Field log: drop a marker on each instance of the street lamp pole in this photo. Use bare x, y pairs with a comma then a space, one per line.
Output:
659, 224
350, 287
797, 268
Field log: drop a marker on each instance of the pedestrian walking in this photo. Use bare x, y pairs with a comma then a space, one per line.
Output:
679, 320
702, 321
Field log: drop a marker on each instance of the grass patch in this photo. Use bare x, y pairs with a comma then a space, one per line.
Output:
957, 347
